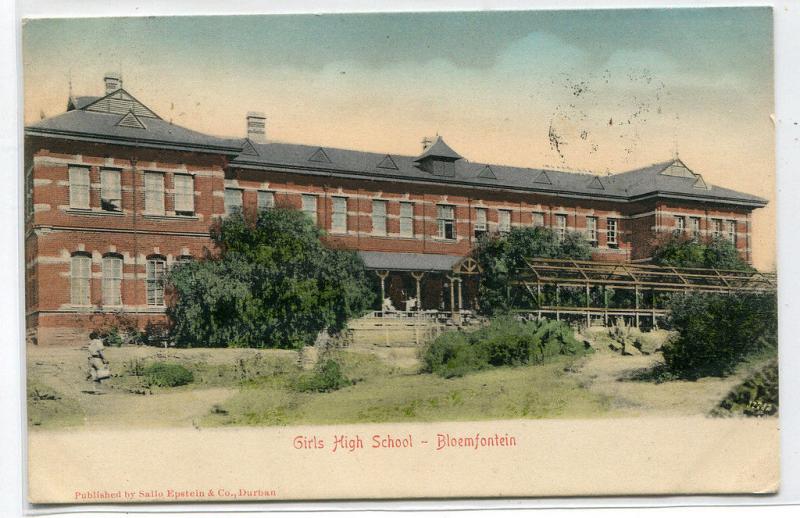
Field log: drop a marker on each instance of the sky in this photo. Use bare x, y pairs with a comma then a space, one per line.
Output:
597, 90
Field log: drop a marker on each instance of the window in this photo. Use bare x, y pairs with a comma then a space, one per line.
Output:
561, 225
110, 190
266, 200
339, 215
310, 206
611, 232
694, 227
480, 222
184, 194
732, 231
29, 192
591, 229
406, 219
112, 280
504, 220
680, 225
717, 228
379, 217
154, 193
155, 281
233, 201
80, 276
446, 221
79, 187
538, 219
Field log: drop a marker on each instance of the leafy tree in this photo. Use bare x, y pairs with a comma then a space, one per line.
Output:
272, 283
501, 256
683, 251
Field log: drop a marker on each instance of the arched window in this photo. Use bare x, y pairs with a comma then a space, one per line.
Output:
80, 277
155, 280
112, 280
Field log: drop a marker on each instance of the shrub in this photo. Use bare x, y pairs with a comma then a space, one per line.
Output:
715, 332
327, 377
164, 374
272, 284
502, 255
757, 396
505, 341
683, 251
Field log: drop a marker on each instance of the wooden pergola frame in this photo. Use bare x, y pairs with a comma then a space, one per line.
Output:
638, 278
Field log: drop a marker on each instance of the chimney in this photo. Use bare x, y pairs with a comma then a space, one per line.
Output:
257, 127
113, 82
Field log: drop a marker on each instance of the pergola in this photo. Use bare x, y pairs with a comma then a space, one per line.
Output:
637, 279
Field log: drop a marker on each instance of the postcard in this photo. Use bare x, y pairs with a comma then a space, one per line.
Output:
400, 255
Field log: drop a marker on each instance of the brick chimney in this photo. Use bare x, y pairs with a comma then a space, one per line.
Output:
113, 82
257, 127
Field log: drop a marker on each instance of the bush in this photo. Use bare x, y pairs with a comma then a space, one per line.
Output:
164, 374
757, 396
505, 341
327, 377
272, 284
683, 251
501, 256
715, 332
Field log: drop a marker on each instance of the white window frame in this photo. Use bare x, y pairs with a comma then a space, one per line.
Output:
481, 221
111, 190
612, 231
716, 227
154, 192
680, 224
732, 231
694, 226
154, 281
406, 219
537, 219
379, 217
503, 221
184, 194
591, 229
80, 275
561, 226
112, 280
309, 206
446, 222
265, 200
79, 188
339, 214
233, 201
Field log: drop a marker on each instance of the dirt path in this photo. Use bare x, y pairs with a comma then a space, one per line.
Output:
605, 373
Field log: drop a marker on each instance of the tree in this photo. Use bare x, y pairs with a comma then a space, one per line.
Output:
501, 256
271, 283
683, 251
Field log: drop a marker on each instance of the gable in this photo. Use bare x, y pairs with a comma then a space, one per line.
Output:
319, 156
542, 178
488, 173
679, 169
129, 120
595, 183
248, 148
700, 183
387, 163
121, 102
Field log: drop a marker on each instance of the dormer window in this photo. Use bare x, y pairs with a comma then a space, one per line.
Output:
439, 159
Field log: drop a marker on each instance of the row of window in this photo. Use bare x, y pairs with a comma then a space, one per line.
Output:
718, 227
445, 216
81, 277
111, 191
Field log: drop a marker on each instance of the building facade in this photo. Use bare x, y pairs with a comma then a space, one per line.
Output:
115, 196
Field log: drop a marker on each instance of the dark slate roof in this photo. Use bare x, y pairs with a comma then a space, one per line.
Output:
103, 127
439, 149
624, 186
80, 102
409, 262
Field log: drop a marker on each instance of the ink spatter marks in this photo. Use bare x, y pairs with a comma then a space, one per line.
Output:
607, 109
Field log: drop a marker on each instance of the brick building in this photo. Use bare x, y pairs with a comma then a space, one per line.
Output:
115, 195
